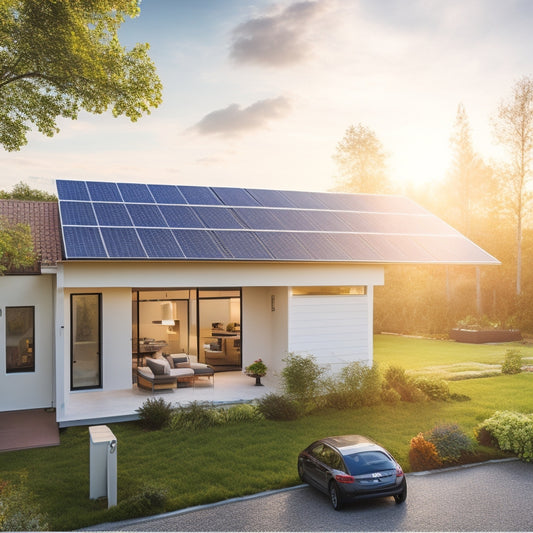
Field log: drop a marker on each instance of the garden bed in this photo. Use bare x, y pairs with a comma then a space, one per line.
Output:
473, 336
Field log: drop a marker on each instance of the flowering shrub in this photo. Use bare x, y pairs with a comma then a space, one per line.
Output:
423, 454
450, 442
257, 368
512, 363
512, 431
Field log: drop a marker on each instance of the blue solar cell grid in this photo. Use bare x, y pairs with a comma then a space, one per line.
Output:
180, 216
217, 217
199, 244
83, 243
199, 195
72, 190
235, 197
147, 216
77, 214
123, 243
160, 243
101, 191
136, 193
242, 245
268, 198
167, 194
109, 214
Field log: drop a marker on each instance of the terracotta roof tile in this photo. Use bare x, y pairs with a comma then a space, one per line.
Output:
43, 219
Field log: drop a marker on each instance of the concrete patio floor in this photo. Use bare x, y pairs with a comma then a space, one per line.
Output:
120, 405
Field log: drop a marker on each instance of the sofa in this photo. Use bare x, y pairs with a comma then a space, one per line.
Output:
166, 371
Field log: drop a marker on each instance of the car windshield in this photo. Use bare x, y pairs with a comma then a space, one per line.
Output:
367, 462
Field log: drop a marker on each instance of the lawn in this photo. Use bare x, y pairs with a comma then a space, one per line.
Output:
227, 461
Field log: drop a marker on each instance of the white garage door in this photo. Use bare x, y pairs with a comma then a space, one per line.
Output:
334, 329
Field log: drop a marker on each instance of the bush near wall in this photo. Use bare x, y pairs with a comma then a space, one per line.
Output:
513, 432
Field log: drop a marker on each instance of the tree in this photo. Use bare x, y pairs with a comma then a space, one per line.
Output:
58, 57
16, 247
22, 191
513, 128
469, 182
361, 161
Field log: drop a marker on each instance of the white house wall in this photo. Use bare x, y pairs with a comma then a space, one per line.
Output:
333, 328
206, 274
29, 390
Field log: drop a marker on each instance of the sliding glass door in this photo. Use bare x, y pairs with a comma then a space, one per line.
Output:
85, 341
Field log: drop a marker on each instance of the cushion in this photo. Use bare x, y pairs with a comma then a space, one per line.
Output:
157, 366
182, 372
180, 361
170, 361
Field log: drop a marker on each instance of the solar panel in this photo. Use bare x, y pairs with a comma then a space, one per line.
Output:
100, 191
199, 195
268, 198
83, 243
139, 221
167, 194
234, 197
217, 217
77, 214
144, 215
123, 243
136, 193
180, 216
199, 244
160, 243
242, 245
109, 214
72, 190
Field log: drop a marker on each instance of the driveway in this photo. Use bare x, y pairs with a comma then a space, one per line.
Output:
494, 496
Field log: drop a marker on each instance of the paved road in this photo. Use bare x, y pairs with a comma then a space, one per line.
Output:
489, 497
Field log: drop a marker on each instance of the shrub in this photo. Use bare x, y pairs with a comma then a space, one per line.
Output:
512, 431
423, 454
241, 413
18, 509
154, 413
357, 385
301, 377
450, 441
512, 363
434, 389
196, 415
279, 407
145, 501
390, 396
397, 379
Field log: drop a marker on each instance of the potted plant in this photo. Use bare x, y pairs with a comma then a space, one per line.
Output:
482, 330
256, 370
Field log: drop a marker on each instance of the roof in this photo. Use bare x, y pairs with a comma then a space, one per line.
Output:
136, 221
43, 219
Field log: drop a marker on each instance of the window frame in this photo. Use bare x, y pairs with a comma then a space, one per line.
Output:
22, 369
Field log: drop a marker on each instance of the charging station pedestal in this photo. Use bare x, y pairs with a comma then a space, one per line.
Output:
103, 464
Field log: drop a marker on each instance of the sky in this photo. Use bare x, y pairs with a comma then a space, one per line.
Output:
258, 93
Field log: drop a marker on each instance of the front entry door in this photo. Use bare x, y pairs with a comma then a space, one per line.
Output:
85, 342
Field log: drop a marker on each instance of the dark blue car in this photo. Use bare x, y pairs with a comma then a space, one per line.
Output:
350, 468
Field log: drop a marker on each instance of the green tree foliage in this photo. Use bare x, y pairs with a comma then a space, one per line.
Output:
16, 246
22, 191
361, 161
58, 57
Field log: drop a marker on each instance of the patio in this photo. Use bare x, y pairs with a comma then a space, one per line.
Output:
120, 405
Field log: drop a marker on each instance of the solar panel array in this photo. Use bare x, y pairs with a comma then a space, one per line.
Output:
143, 221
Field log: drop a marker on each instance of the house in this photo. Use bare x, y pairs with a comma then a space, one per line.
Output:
226, 275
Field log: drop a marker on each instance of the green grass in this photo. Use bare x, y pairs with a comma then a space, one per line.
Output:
228, 461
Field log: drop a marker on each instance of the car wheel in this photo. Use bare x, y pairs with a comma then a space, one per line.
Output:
400, 498
301, 470
335, 496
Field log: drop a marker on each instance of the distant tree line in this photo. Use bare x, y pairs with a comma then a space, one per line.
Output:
488, 201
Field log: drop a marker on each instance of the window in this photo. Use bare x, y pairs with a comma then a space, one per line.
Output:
20, 339
328, 291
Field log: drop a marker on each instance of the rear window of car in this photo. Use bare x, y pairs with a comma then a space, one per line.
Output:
367, 462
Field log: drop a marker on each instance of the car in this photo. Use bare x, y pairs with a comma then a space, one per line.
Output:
349, 468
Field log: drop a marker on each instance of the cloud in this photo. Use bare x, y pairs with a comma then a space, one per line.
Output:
277, 40
234, 120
